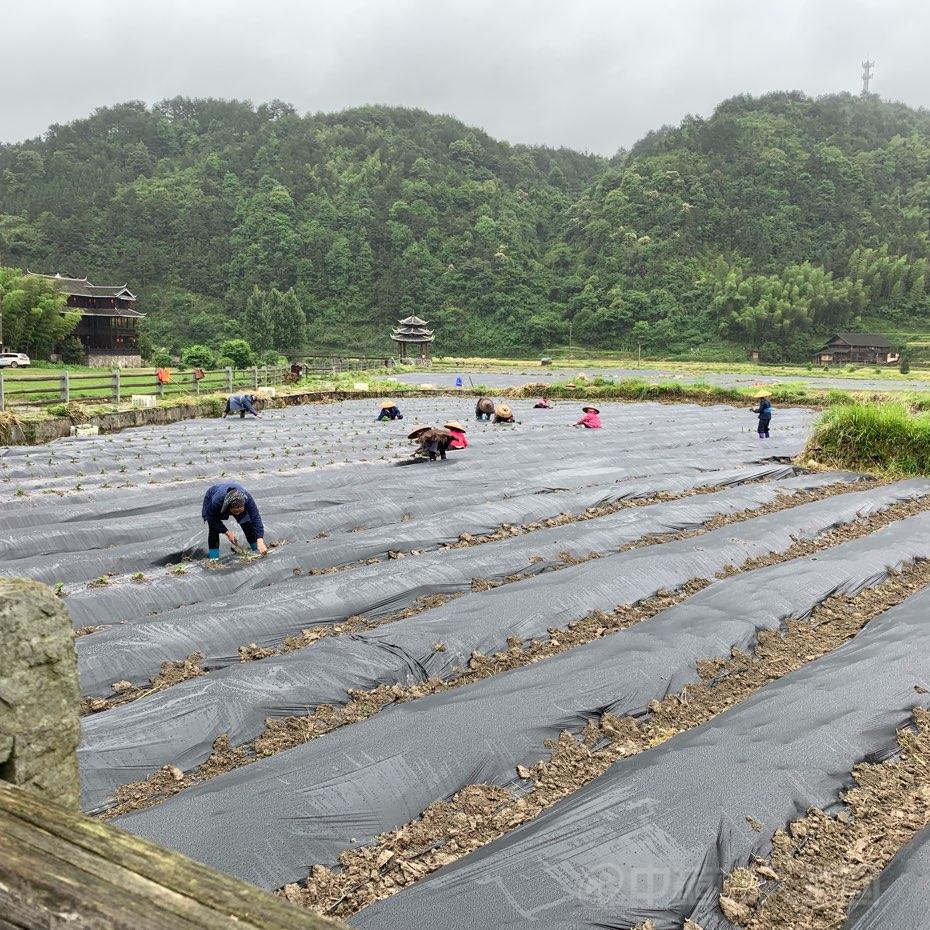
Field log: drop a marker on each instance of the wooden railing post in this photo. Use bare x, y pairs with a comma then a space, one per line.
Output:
229, 379
65, 392
2, 397
116, 385
255, 376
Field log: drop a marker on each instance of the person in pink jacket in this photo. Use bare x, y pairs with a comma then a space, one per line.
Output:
591, 418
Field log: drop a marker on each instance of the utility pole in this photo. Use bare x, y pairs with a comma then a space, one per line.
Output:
868, 68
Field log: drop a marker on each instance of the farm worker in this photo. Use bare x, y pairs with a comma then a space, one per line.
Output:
484, 408
542, 404
591, 418
458, 434
297, 369
765, 413
503, 414
241, 404
226, 500
389, 411
432, 441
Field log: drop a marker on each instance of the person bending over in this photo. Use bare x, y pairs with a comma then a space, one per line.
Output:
226, 500
241, 404
389, 411
484, 409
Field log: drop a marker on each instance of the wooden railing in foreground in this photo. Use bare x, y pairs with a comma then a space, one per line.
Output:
59, 868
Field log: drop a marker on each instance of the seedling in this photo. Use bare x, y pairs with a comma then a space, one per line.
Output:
138, 577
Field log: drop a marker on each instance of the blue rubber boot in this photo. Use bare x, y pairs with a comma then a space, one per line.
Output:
254, 547
213, 553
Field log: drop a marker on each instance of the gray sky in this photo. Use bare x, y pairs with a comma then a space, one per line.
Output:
589, 74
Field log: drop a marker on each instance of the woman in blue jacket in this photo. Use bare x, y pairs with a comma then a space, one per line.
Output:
765, 413
226, 500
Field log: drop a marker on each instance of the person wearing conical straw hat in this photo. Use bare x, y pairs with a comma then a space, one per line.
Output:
484, 409
591, 418
432, 442
502, 414
764, 410
389, 411
458, 435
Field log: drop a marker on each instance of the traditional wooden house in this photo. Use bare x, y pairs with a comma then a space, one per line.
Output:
857, 349
108, 328
413, 332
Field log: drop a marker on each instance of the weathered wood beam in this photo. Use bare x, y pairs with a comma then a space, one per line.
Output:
59, 868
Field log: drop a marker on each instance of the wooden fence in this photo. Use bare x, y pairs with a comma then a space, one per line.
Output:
116, 386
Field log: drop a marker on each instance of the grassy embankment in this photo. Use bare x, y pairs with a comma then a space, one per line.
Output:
887, 437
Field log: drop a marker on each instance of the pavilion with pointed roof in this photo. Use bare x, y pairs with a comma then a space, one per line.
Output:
415, 333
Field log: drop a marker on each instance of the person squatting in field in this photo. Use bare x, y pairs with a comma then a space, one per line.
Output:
389, 411
241, 404
591, 418
226, 500
503, 414
765, 413
458, 435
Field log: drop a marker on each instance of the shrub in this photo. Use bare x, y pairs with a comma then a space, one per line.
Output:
239, 351
883, 436
160, 358
224, 361
905, 364
271, 357
198, 356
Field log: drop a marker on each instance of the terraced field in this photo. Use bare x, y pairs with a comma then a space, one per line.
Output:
652, 674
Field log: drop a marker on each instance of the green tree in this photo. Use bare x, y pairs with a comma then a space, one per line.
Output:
258, 321
288, 322
34, 315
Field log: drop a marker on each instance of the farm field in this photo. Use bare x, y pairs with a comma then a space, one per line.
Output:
740, 376
563, 679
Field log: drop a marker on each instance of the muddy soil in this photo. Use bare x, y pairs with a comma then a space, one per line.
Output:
480, 813
819, 864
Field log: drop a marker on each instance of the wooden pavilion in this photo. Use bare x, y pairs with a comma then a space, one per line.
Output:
413, 332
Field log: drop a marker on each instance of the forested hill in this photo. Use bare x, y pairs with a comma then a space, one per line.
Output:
773, 221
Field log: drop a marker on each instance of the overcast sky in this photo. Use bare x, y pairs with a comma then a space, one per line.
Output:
590, 74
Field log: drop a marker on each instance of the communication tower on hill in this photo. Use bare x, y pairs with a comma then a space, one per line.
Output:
868, 68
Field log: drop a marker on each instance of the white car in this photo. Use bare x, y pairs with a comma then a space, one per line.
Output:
14, 360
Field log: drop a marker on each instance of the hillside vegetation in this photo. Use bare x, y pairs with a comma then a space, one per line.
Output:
767, 225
